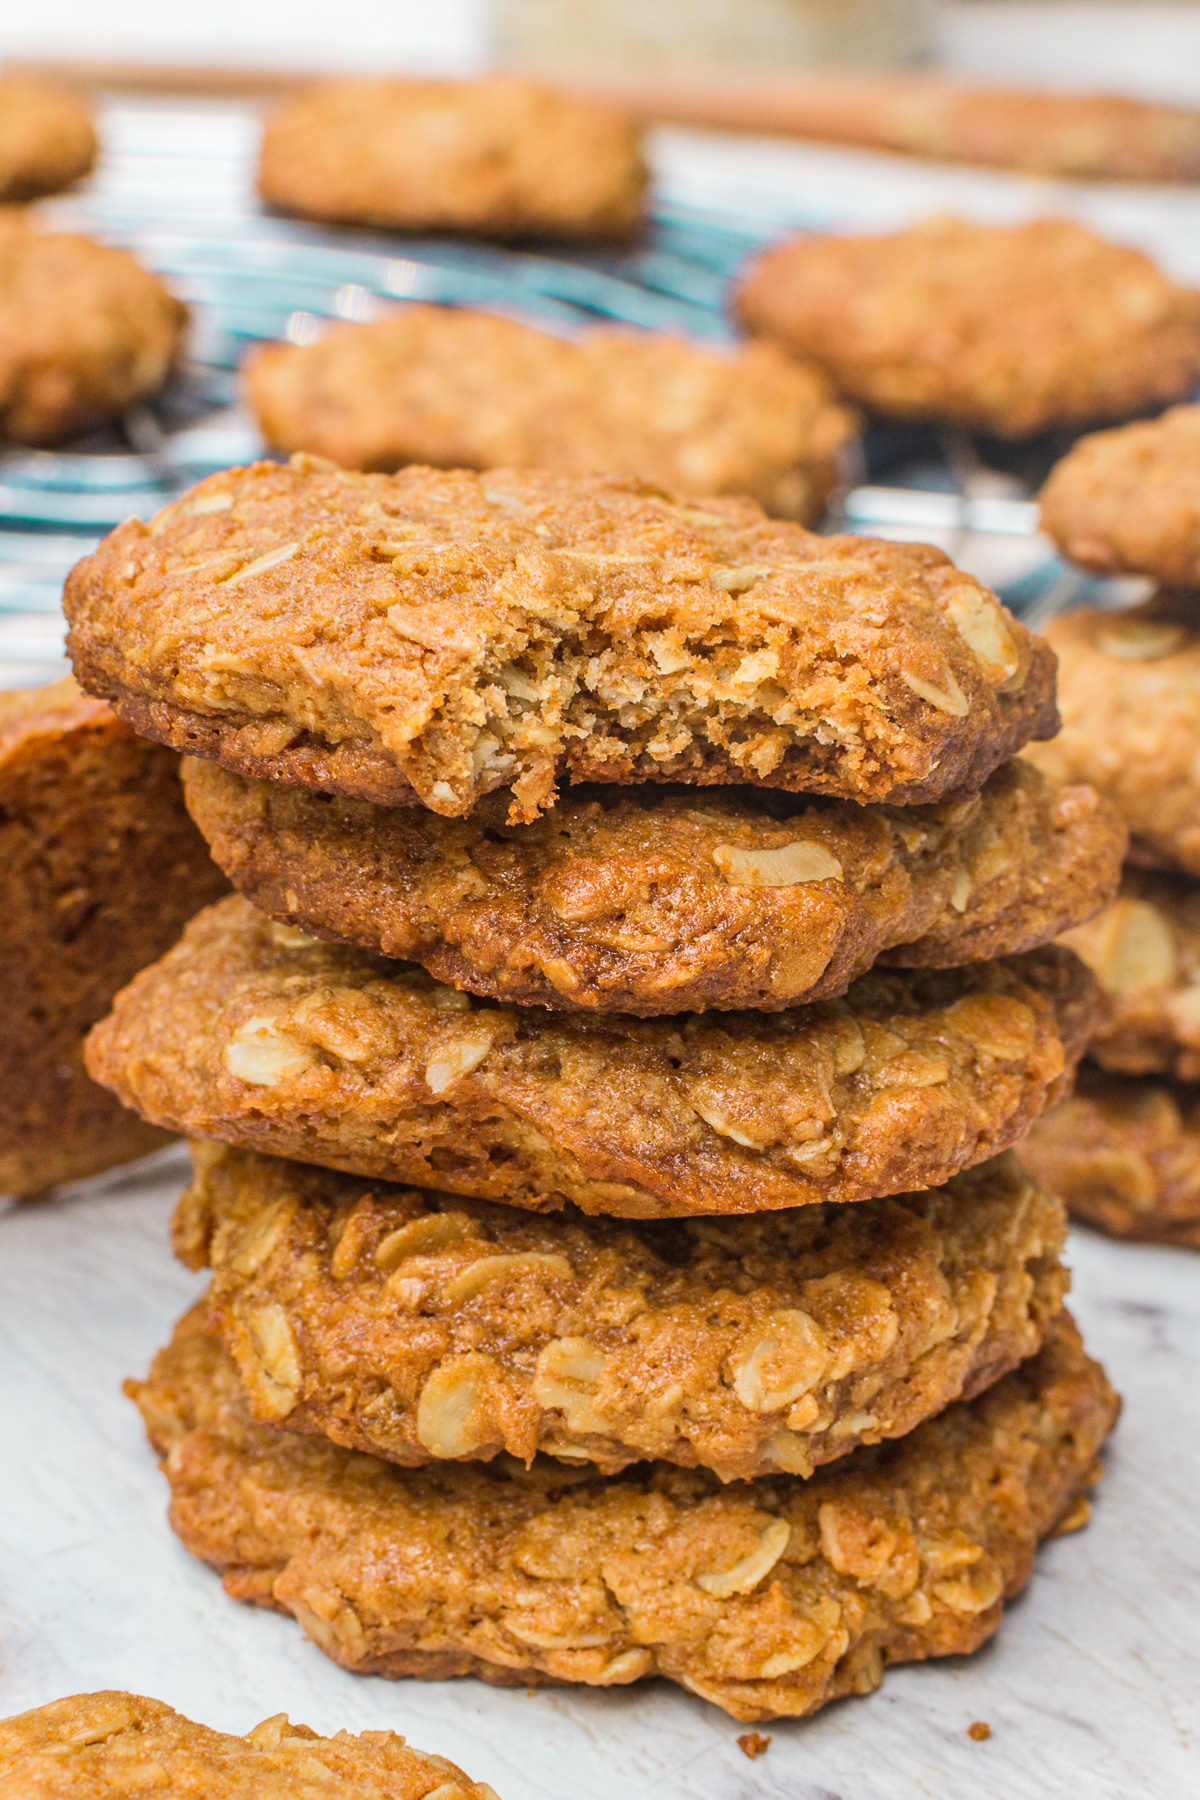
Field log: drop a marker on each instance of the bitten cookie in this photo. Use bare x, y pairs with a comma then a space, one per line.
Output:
1010, 329
498, 156
1144, 951
1129, 691
250, 1033
666, 900
119, 1745
1124, 1153
460, 389
85, 331
47, 139
422, 1328
99, 868
1128, 501
767, 1599
435, 636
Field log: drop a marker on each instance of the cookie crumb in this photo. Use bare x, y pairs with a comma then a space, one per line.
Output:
753, 1743
980, 1731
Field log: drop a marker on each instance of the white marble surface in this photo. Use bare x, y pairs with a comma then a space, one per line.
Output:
1090, 1688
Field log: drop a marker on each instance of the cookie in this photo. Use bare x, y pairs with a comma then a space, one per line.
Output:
460, 389
498, 156
85, 332
250, 1033
1124, 1153
1011, 329
1129, 690
417, 1327
661, 900
1144, 951
123, 1744
435, 636
99, 868
1128, 501
47, 139
767, 1599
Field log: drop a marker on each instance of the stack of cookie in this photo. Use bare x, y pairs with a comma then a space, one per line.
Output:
622, 1386
1125, 1151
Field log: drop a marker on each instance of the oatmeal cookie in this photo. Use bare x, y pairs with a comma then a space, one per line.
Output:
498, 156
1124, 1153
767, 1599
664, 900
250, 1033
1129, 690
418, 1327
1128, 501
460, 389
85, 331
47, 139
1010, 329
99, 868
436, 635
120, 1745
1144, 951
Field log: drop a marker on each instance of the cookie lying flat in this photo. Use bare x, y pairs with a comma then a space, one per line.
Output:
499, 156
1128, 501
418, 1327
85, 332
1129, 690
1144, 951
439, 635
665, 900
1010, 329
249, 1033
768, 1600
460, 389
1124, 1153
121, 1745
47, 139
99, 868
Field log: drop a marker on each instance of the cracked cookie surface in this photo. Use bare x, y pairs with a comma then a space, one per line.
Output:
669, 900
498, 156
119, 1744
1128, 501
767, 1599
418, 1327
435, 635
249, 1033
1010, 329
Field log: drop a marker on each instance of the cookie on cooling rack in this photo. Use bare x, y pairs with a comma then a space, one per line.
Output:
767, 1599
498, 156
85, 332
47, 139
1010, 329
1128, 501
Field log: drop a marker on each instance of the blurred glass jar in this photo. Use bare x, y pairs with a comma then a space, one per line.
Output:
709, 38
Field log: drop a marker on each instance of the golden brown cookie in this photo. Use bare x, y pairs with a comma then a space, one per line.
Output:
250, 1033
1011, 329
767, 1599
1144, 951
1129, 692
47, 139
435, 636
498, 156
85, 332
1124, 1153
419, 1327
664, 900
119, 1745
1128, 501
460, 389
99, 868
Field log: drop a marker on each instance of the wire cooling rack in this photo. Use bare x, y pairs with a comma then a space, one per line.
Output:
175, 186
